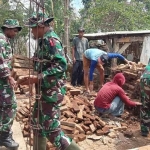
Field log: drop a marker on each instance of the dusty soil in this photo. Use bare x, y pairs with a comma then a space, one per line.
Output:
132, 121
136, 141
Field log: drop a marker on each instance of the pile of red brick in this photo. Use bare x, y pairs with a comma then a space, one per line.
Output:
132, 74
78, 118
22, 66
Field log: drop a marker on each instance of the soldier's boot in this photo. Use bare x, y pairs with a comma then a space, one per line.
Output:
7, 141
39, 143
73, 146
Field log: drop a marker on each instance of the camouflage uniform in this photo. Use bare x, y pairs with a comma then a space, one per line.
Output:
7, 97
8, 103
52, 65
145, 99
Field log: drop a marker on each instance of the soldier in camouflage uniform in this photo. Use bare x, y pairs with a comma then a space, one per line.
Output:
145, 99
7, 97
51, 66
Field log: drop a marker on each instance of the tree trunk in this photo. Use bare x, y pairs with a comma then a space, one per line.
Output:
66, 23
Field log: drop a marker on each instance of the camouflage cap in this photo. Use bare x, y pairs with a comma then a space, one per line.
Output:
11, 23
100, 43
37, 19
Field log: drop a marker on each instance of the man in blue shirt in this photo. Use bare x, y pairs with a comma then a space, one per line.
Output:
96, 58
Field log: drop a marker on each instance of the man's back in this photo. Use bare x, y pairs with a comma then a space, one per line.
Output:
106, 94
93, 53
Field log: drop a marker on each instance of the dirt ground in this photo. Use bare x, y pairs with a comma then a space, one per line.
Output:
121, 142
136, 141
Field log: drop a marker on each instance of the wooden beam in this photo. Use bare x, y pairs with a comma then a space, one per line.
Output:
123, 48
109, 45
115, 49
116, 45
130, 39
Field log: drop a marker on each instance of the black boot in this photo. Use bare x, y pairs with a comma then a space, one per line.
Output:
7, 141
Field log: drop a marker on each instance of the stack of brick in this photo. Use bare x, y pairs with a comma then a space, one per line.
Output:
132, 74
78, 118
22, 66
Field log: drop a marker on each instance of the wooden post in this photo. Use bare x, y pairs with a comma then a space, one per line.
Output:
66, 23
109, 44
115, 49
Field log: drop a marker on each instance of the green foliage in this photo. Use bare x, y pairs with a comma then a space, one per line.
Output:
86, 3
9, 12
112, 15
56, 9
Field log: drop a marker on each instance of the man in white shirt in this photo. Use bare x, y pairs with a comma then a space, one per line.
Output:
31, 45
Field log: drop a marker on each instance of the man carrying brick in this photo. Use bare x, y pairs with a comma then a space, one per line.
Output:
51, 65
96, 58
8, 103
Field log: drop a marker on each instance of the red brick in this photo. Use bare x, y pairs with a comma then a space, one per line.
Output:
25, 133
75, 92
69, 114
75, 107
80, 113
85, 128
79, 128
81, 137
87, 123
99, 132
70, 124
92, 127
105, 130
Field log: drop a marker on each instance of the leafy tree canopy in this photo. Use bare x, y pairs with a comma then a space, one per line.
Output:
112, 15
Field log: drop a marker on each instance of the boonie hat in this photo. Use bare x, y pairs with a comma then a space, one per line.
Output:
37, 19
100, 43
104, 58
11, 23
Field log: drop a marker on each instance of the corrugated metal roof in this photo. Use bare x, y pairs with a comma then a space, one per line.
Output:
115, 33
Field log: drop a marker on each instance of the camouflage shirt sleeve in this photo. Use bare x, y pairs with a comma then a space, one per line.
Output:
5, 57
53, 52
58, 66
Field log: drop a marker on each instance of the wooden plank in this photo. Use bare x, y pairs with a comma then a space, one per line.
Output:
20, 57
123, 48
130, 39
18, 65
22, 61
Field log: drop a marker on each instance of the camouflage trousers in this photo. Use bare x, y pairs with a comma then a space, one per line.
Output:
7, 106
145, 108
46, 122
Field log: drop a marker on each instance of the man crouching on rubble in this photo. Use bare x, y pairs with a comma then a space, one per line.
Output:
111, 97
51, 65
